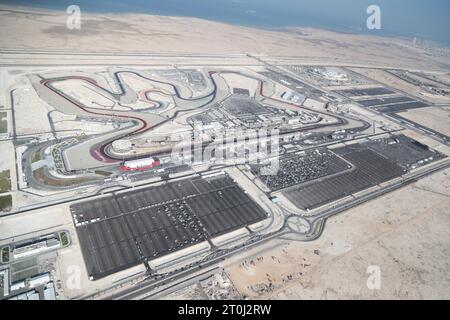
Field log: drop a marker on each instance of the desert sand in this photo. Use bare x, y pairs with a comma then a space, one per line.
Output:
27, 28
407, 240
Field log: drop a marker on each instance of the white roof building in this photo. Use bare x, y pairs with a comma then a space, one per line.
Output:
18, 285
5, 276
39, 280
49, 292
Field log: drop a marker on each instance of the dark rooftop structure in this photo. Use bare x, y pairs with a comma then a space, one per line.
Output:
125, 229
365, 92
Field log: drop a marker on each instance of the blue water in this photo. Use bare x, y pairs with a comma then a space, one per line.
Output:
409, 18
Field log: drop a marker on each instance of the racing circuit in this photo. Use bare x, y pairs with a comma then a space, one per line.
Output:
99, 146
164, 223
98, 150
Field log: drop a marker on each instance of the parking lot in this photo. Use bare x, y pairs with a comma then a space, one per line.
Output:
365, 92
302, 167
400, 107
125, 229
406, 151
383, 101
370, 169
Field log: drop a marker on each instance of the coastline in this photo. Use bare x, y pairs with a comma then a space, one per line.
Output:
38, 29
286, 28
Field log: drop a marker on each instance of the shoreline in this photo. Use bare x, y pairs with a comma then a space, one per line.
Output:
26, 28
286, 28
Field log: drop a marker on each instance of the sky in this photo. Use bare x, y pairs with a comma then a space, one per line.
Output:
408, 18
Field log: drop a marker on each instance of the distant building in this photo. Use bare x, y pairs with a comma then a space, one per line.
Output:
29, 295
241, 91
39, 280
140, 164
4, 277
18, 285
35, 247
49, 292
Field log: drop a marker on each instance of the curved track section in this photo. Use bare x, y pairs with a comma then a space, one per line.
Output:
97, 146
143, 121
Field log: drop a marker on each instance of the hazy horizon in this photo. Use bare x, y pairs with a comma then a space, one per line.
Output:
405, 18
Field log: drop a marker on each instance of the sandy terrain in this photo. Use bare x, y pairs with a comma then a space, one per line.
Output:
435, 118
407, 239
47, 30
26, 99
6, 155
238, 81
